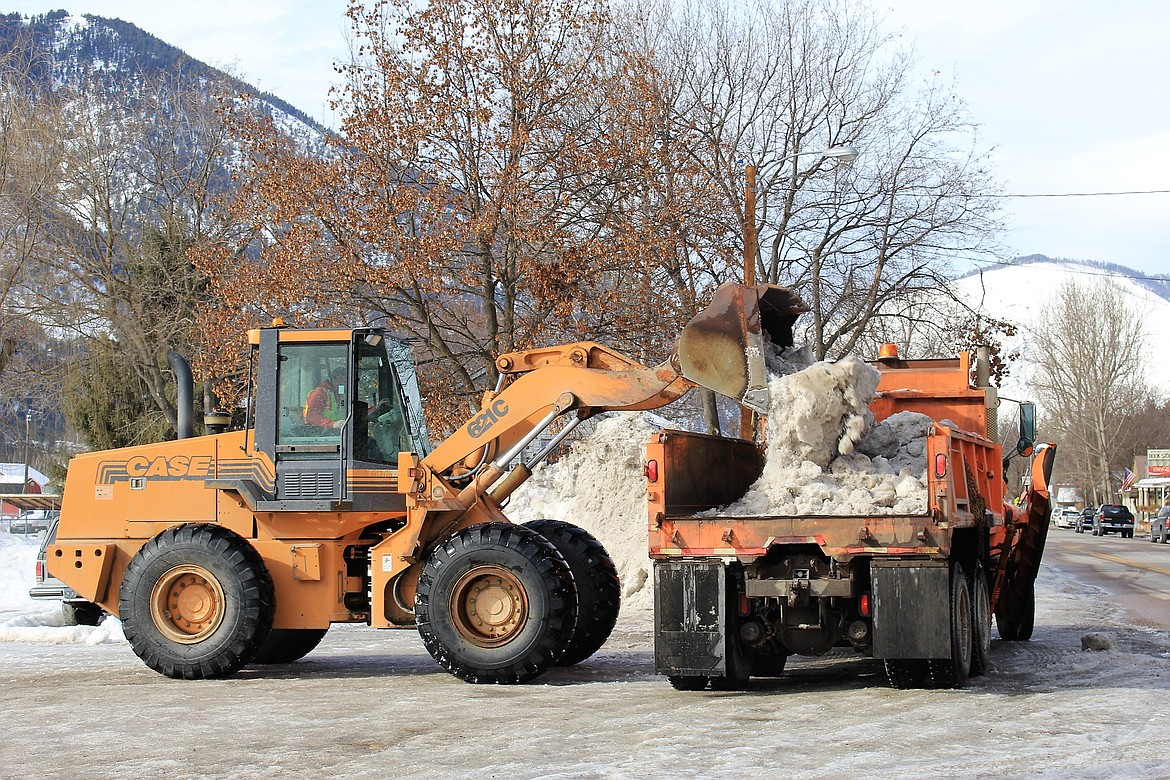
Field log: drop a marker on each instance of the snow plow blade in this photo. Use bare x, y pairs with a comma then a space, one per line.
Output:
723, 347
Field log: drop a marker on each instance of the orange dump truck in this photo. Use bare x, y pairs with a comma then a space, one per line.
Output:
735, 596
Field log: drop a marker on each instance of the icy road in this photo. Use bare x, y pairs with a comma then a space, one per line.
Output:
76, 702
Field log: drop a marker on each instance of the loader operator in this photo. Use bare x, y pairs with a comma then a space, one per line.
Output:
324, 406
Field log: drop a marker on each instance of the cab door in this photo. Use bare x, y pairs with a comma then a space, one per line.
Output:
314, 415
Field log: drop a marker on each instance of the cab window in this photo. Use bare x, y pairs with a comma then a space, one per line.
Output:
313, 393
380, 402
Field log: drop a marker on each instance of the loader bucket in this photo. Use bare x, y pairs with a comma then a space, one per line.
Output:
722, 348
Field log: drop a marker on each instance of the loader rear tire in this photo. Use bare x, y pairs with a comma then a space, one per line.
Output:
196, 602
285, 645
496, 604
599, 591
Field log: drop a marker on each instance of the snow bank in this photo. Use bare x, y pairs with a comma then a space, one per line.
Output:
24, 619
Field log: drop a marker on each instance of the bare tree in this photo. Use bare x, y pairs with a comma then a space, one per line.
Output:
142, 160
30, 152
772, 83
1087, 350
485, 194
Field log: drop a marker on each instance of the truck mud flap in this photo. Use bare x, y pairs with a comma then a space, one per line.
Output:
690, 618
911, 609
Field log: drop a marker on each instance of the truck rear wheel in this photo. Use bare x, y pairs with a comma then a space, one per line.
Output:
196, 602
81, 613
980, 622
953, 672
688, 682
496, 604
599, 592
906, 673
285, 645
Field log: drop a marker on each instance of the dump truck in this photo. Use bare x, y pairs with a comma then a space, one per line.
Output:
736, 596
330, 506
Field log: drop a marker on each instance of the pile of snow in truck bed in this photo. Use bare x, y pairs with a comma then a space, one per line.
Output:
825, 455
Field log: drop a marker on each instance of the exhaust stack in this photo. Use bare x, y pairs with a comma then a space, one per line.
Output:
185, 400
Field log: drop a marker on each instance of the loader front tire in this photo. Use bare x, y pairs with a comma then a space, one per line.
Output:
599, 592
496, 604
285, 645
196, 602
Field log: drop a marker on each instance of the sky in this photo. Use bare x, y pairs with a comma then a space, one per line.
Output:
1070, 94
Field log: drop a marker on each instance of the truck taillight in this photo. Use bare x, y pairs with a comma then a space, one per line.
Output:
651, 470
863, 605
40, 572
940, 465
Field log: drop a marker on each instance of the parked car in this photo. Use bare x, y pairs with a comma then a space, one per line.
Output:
1085, 521
1067, 517
76, 610
32, 521
1158, 531
1113, 517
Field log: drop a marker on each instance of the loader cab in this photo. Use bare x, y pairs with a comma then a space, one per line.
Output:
333, 410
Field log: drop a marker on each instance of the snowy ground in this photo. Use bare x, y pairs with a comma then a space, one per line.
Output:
77, 702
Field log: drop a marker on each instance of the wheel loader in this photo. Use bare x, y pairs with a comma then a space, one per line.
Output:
330, 506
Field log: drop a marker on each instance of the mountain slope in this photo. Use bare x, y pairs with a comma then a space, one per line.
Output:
1017, 293
90, 49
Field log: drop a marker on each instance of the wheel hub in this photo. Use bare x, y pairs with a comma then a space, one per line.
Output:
187, 604
489, 606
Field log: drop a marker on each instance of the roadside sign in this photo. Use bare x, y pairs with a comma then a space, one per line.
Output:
1158, 463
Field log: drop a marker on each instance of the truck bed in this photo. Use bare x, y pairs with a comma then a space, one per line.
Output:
697, 473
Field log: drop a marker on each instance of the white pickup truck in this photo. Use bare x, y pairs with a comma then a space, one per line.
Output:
1066, 517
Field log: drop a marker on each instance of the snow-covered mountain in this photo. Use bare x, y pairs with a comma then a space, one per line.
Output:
93, 50
1016, 292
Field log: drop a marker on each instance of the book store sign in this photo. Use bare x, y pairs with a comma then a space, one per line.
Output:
1158, 463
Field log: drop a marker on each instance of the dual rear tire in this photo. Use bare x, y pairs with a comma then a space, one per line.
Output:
970, 639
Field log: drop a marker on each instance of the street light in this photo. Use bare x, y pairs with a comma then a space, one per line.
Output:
28, 415
843, 153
